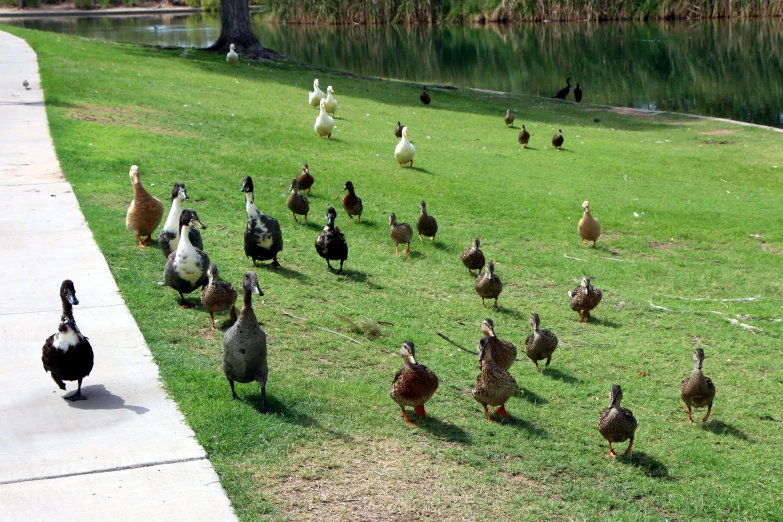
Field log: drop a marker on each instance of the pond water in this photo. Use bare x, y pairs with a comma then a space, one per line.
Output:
729, 69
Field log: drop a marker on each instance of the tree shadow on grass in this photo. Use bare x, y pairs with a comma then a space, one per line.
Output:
444, 430
718, 427
99, 398
558, 375
529, 396
647, 464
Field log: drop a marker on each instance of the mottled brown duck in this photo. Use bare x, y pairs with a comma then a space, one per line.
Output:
426, 224
218, 296
401, 234
297, 203
352, 204
541, 344
414, 383
697, 390
616, 423
584, 298
473, 257
558, 140
488, 285
524, 137
508, 119
494, 385
504, 353
305, 179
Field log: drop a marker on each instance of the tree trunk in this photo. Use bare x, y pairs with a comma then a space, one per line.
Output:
235, 29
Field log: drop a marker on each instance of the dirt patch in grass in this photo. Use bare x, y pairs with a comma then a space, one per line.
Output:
661, 246
384, 480
723, 132
135, 117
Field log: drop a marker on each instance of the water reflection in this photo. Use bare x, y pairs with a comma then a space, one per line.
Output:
730, 69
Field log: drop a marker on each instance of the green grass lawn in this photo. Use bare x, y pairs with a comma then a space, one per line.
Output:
691, 216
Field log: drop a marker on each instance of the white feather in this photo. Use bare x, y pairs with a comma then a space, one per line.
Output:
186, 260
64, 340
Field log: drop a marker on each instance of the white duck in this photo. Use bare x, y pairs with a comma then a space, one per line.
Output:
324, 124
331, 102
316, 95
405, 152
232, 58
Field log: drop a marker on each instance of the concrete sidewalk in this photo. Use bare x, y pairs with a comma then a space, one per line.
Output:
126, 453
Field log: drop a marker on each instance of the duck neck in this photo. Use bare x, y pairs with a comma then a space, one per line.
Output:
172, 221
250, 206
247, 314
67, 309
184, 240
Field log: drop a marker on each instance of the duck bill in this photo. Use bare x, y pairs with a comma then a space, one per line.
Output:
71, 297
198, 223
412, 359
491, 332
257, 289
246, 187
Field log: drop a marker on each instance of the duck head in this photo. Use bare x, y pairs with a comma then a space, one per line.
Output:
485, 351
294, 186
490, 270
586, 284
179, 192
476, 244
698, 358
305, 168
247, 188
331, 215
250, 282
534, 321
586, 206
232, 47
68, 292
405, 132
349, 187
488, 327
423, 207
189, 218
323, 105
615, 396
212, 273
315, 84
408, 353
134, 175
330, 90
392, 219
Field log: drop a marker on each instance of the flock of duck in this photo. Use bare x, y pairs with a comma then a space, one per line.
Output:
68, 355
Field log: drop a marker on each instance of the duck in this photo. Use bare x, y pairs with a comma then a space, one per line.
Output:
504, 353
67, 355
425, 97
398, 130
413, 385
263, 237
508, 119
578, 93
244, 344
488, 285
297, 203
697, 390
315, 97
541, 344
232, 58
331, 102
352, 204
557, 140
562, 93
305, 179
330, 243
145, 212
26, 85
401, 233
615, 423
584, 298
168, 238
218, 296
186, 267
426, 224
404, 152
524, 137
494, 385
589, 228
473, 257
324, 124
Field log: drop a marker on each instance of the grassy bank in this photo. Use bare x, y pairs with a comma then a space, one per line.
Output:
690, 211
429, 11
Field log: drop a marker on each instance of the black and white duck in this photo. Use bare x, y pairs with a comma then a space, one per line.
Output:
168, 238
67, 354
186, 267
263, 237
244, 344
330, 243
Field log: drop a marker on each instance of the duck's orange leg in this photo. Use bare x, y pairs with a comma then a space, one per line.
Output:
502, 411
486, 410
419, 411
405, 416
141, 243
611, 451
630, 445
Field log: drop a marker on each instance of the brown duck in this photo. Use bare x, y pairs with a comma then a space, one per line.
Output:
414, 383
697, 391
425, 97
352, 203
589, 228
67, 354
616, 423
145, 211
557, 140
504, 353
540, 344
494, 385
509, 118
584, 298
398, 131
401, 233
305, 179
218, 296
297, 203
488, 285
473, 257
524, 137
426, 224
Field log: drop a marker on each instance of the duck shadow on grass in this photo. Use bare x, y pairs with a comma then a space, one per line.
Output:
530, 148
647, 464
718, 427
99, 398
554, 373
285, 272
510, 312
444, 430
277, 408
603, 322
445, 247
529, 427
529, 396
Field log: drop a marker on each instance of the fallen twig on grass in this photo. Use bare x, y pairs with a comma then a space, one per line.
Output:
736, 300
457, 345
574, 258
729, 319
324, 329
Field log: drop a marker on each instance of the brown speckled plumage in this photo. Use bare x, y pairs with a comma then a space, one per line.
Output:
297, 203
494, 385
557, 140
488, 285
617, 424
697, 390
508, 119
305, 179
524, 137
540, 344
504, 353
401, 234
426, 224
352, 204
473, 257
414, 384
218, 296
584, 298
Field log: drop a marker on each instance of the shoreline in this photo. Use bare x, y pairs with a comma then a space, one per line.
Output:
68, 11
